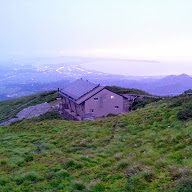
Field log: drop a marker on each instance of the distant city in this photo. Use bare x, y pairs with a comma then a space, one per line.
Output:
20, 77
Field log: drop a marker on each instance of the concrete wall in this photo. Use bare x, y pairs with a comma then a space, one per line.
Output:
105, 104
81, 109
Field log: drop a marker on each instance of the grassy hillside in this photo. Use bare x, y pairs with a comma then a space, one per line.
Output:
10, 108
149, 149
121, 90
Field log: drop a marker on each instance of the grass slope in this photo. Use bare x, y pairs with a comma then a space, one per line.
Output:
121, 90
146, 150
10, 108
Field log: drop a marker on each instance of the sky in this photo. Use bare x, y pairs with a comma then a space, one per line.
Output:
134, 29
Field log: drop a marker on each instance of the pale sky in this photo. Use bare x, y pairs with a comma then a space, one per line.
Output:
133, 29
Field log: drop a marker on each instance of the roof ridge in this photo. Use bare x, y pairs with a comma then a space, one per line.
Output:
79, 88
89, 91
94, 92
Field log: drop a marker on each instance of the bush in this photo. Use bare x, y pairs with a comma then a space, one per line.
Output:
134, 184
29, 158
79, 186
185, 186
111, 115
62, 174
3, 181
51, 115
180, 101
122, 165
31, 176
73, 165
184, 115
121, 90
141, 103
99, 187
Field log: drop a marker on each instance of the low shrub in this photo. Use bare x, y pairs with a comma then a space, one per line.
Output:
140, 103
51, 115
30, 176
111, 115
184, 115
79, 186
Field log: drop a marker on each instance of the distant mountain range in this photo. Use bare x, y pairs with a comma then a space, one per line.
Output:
167, 86
170, 85
28, 76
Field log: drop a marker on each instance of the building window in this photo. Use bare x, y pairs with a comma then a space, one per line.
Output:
96, 99
116, 107
112, 97
91, 110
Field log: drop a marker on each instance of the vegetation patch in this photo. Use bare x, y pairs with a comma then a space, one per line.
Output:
141, 103
146, 150
120, 90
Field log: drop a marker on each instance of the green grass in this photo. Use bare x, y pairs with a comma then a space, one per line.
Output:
146, 150
141, 103
121, 90
9, 108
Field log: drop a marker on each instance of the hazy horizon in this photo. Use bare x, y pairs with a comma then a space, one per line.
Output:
127, 67
140, 68
125, 29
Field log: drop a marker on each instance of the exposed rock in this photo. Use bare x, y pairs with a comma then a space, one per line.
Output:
30, 112
9, 121
34, 111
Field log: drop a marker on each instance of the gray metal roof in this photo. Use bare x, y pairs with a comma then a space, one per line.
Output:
90, 94
78, 88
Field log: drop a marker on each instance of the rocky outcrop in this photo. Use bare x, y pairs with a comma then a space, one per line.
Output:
30, 112
34, 111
